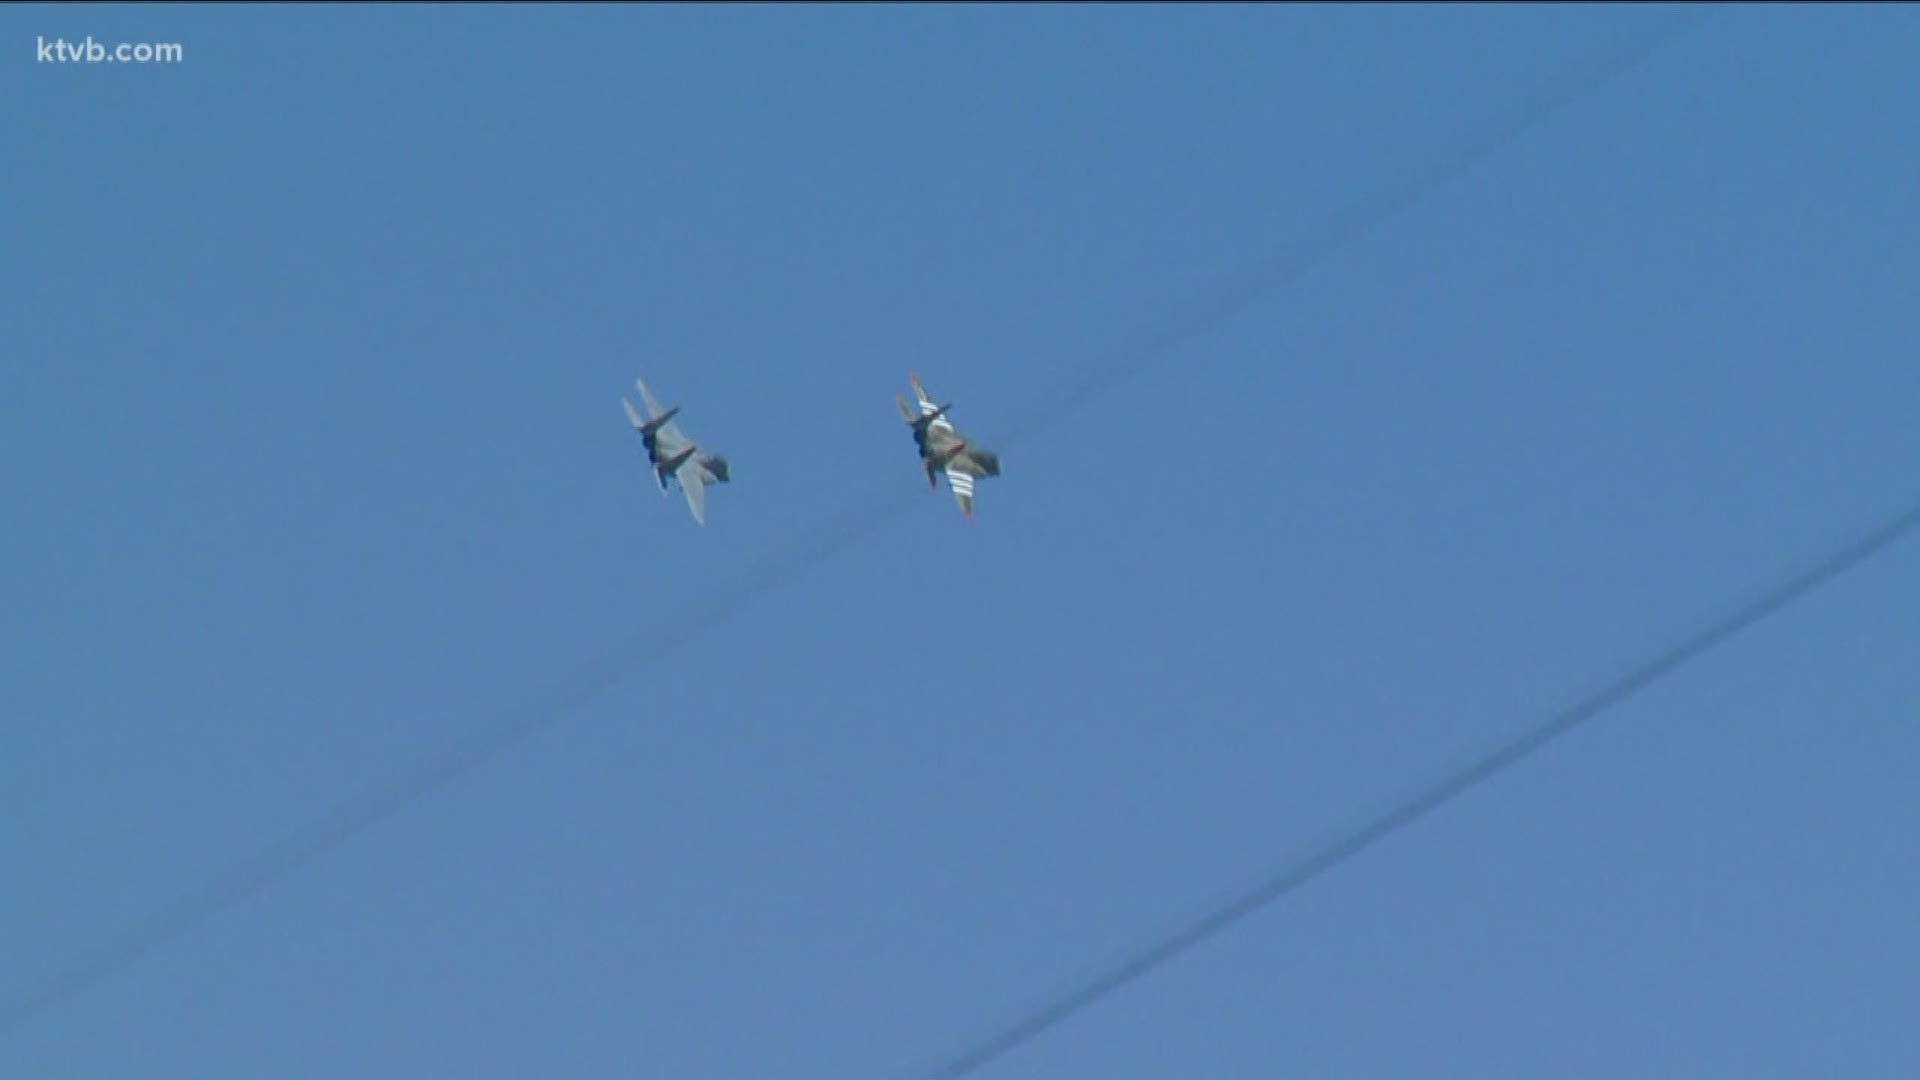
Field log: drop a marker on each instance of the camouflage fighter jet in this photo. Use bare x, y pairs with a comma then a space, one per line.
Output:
673, 454
944, 448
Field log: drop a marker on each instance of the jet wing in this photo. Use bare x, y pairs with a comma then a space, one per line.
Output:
693, 481
927, 407
668, 435
962, 486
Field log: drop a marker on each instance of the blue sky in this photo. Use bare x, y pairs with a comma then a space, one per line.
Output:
314, 466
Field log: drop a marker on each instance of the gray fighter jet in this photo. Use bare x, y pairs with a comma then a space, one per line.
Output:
944, 449
673, 454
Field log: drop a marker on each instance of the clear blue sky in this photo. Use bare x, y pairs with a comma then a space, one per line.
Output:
314, 464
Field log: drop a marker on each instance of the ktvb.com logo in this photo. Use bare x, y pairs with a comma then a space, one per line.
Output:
62, 51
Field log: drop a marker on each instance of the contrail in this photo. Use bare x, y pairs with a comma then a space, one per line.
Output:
377, 804
1294, 875
1354, 222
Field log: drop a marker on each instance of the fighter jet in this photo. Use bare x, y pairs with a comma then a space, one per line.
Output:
673, 454
944, 449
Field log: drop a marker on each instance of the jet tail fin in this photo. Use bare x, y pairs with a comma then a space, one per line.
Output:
671, 466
